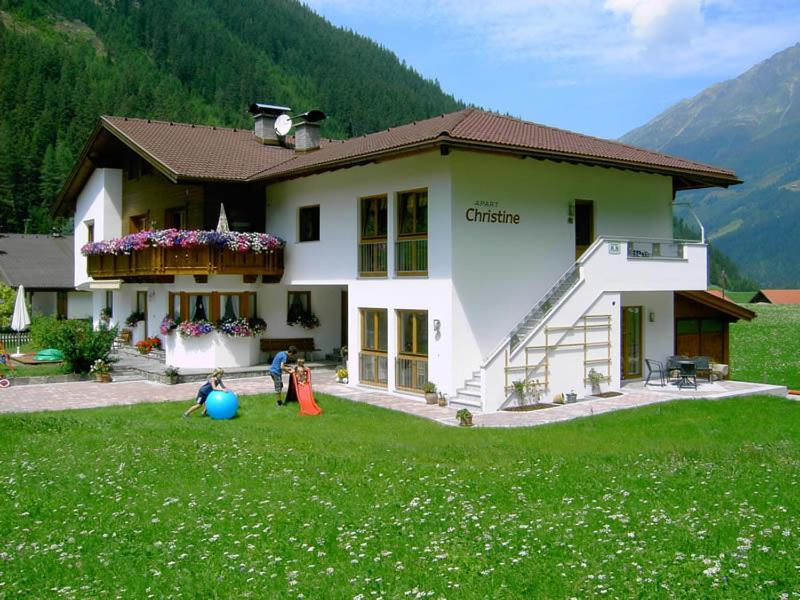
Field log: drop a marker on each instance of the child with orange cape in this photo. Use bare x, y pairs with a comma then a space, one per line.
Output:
300, 389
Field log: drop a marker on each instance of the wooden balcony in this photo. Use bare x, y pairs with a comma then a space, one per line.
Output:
162, 264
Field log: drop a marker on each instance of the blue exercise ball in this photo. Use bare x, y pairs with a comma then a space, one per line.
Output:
222, 404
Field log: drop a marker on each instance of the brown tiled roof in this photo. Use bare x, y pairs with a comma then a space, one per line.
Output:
778, 296
473, 127
185, 152
37, 261
199, 151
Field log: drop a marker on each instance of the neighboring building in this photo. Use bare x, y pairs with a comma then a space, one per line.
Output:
776, 297
470, 249
44, 265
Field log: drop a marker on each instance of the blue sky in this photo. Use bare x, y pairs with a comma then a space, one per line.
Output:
601, 67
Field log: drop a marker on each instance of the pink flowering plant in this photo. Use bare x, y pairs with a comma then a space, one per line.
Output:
168, 325
242, 327
181, 238
194, 328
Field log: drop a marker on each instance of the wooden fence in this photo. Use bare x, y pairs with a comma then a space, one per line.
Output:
14, 339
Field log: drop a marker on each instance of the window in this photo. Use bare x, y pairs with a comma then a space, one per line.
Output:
184, 306
412, 332
110, 303
175, 218
372, 246
137, 223
298, 306
372, 360
412, 358
309, 224
89, 231
412, 233
199, 307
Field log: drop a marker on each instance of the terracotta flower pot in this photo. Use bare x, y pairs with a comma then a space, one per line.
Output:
431, 398
102, 377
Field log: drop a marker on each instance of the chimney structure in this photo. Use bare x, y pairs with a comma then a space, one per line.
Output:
306, 131
264, 116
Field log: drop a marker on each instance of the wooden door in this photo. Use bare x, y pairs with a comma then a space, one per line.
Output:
631, 342
344, 322
141, 306
584, 226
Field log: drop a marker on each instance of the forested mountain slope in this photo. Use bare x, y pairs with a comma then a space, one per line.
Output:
752, 124
65, 62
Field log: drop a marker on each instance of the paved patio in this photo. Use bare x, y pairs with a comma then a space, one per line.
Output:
88, 394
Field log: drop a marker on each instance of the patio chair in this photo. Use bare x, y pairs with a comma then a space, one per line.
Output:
655, 368
703, 366
688, 374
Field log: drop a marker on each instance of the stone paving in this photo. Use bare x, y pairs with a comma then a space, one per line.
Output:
89, 394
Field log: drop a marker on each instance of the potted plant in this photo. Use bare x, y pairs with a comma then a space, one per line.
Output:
101, 369
430, 392
341, 375
464, 417
571, 397
134, 318
519, 390
595, 378
105, 315
533, 388
172, 374
442, 399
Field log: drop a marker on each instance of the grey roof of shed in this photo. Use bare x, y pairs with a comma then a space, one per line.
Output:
39, 262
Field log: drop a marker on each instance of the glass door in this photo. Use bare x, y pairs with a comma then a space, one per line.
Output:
631, 342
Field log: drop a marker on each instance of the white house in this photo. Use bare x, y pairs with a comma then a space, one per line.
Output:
471, 249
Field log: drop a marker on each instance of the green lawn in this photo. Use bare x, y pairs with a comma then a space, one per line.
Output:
768, 347
690, 499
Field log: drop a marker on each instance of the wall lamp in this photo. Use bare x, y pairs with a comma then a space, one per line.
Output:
651, 317
571, 212
437, 328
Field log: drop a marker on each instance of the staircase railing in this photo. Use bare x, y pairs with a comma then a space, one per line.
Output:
563, 285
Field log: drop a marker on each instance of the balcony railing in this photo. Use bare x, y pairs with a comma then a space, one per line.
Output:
411, 373
655, 249
372, 258
202, 260
373, 368
412, 256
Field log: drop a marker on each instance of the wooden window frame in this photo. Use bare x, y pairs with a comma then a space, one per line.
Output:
414, 235
248, 304
374, 314
89, 231
300, 223
132, 220
181, 212
415, 353
372, 203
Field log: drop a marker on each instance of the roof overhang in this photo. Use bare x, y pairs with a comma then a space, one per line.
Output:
724, 306
682, 179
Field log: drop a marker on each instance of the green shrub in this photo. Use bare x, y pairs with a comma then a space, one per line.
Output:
7, 298
44, 331
83, 345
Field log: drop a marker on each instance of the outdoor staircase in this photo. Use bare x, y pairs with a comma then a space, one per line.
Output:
469, 396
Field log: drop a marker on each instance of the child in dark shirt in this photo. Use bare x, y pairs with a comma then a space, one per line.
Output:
213, 382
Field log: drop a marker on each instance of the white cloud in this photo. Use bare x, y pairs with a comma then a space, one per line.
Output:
664, 38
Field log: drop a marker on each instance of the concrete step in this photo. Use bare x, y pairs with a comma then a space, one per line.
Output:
470, 403
469, 393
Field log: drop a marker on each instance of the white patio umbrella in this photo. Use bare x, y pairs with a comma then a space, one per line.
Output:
222, 224
20, 320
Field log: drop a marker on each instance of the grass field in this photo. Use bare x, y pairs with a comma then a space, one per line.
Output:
690, 499
768, 347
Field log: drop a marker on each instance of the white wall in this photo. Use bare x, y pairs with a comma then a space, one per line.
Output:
657, 335
100, 201
79, 305
334, 259
500, 270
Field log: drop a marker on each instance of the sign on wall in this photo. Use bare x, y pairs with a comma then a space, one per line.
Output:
487, 211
